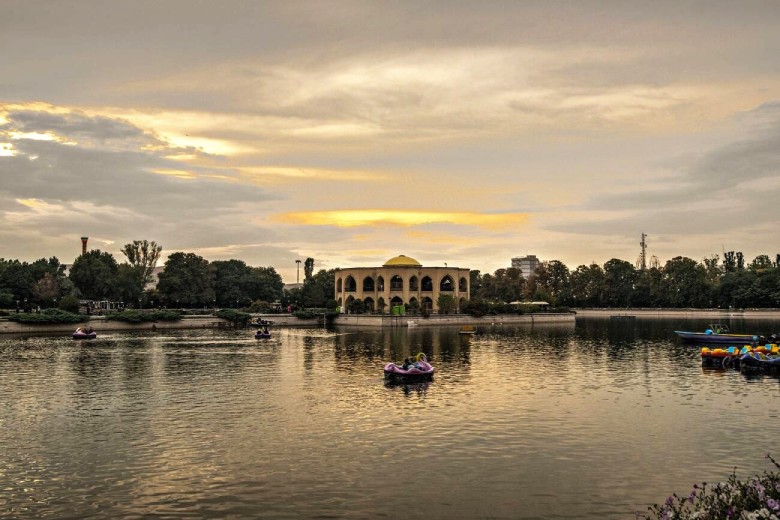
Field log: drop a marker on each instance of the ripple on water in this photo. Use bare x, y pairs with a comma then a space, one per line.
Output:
545, 422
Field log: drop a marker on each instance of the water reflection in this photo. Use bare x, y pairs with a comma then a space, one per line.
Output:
589, 421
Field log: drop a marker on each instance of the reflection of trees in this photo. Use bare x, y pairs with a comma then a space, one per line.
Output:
364, 347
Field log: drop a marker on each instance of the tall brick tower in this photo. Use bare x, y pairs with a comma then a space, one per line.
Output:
84, 245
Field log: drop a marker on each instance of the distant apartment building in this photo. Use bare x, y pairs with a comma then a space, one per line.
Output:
526, 264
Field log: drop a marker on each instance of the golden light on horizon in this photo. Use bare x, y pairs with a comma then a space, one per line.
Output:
403, 218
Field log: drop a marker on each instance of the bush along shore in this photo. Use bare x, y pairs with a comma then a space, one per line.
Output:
757, 498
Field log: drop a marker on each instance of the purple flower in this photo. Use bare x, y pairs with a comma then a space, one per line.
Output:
669, 501
773, 504
691, 496
730, 513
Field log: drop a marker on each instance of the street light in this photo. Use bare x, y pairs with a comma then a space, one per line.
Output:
298, 274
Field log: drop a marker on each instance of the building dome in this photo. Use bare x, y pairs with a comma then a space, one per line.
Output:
402, 261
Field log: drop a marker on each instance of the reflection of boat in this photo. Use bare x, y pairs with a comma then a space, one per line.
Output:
467, 329
718, 333
418, 371
80, 334
262, 335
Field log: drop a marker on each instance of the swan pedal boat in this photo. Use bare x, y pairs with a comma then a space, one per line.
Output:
261, 335
419, 371
84, 335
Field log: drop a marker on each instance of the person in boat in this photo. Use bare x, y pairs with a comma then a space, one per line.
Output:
407, 364
265, 330
90, 331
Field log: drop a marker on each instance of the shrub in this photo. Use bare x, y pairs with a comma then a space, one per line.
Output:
139, 316
756, 498
237, 318
48, 316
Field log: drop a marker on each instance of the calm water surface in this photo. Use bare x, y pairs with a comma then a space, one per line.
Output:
596, 420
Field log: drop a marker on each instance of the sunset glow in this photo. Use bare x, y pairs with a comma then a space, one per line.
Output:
473, 134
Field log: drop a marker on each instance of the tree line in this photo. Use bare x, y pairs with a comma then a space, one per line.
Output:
680, 283
187, 280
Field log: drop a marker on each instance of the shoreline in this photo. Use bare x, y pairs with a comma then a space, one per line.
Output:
100, 324
383, 321
714, 314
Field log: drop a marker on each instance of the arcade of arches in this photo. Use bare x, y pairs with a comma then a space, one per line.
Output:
401, 281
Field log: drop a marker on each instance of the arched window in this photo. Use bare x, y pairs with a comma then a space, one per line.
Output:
380, 284
427, 284
396, 283
338, 286
369, 302
463, 285
396, 301
350, 284
413, 283
368, 284
446, 284
426, 303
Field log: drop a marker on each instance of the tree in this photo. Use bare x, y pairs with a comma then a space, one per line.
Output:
761, 263
686, 283
308, 269
144, 255
475, 282
447, 303
553, 278
47, 289
231, 282
357, 306
94, 275
128, 282
186, 279
619, 279
318, 289
266, 284
587, 286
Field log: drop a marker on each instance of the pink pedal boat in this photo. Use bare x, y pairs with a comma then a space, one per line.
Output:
419, 370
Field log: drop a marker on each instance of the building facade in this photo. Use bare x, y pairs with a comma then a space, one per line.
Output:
401, 281
526, 264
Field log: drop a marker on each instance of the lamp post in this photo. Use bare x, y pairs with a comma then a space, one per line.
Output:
298, 274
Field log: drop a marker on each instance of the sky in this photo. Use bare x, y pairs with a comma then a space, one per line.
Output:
465, 133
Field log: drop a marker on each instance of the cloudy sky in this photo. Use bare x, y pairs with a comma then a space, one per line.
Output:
459, 132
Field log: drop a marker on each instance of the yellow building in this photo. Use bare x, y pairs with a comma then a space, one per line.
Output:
401, 281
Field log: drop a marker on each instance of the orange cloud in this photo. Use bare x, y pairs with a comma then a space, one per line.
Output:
403, 218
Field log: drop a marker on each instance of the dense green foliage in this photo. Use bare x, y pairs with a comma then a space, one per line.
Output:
139, 316
318, 290
48, 316
190, 281
680, 283
237, 318
237, 284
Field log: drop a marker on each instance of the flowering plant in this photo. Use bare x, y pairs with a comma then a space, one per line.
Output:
757, 498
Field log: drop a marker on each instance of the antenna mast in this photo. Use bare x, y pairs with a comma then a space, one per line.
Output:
643, 256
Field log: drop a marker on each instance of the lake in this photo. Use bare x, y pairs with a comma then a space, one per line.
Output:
593, 420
